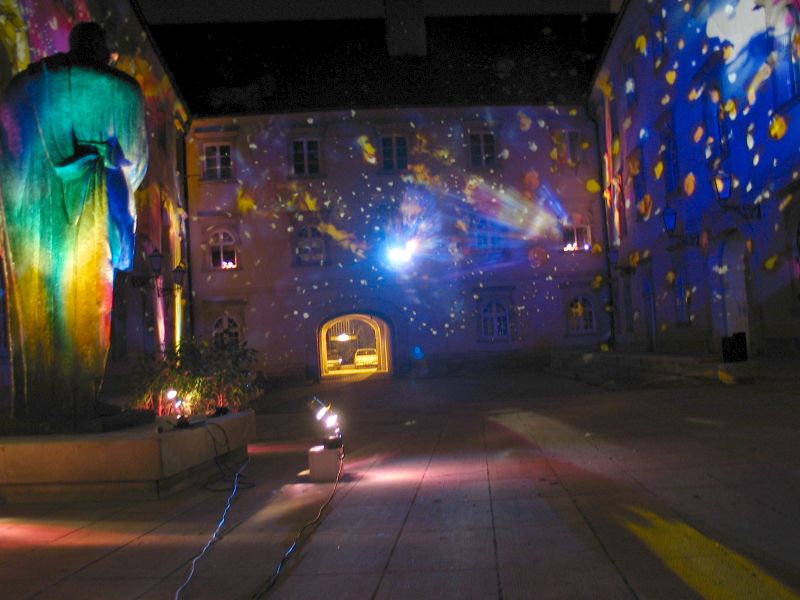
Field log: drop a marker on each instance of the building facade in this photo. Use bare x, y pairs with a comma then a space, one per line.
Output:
389, 240
696, 105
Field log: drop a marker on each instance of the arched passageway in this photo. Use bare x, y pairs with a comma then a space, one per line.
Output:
354, 343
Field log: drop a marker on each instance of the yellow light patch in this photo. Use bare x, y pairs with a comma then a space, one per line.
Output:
665, 100
663, 327
704, 564
554, 153
593, 186
646, 207
597, 248
524, 121
605, 85
615, 147
670, 76
634, 258
641, 45
785, 202
597, 282
658, 169
771, 263
699, 132
777, 127
695, 93
244, 202
670, 277
731, 109
689, 184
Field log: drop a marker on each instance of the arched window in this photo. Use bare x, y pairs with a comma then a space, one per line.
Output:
223, 252
494, 321
225, 335
310, 246
581, 316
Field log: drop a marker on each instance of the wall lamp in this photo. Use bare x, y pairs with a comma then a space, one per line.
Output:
723, 189
156, 260
670, 219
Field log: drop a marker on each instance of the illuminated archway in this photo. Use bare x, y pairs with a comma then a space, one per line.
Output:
354, 344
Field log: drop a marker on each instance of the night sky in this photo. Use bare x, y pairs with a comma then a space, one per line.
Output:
298, 66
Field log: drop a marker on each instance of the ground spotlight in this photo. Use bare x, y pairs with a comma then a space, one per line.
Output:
324, 459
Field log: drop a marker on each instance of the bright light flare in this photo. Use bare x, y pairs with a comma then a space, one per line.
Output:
172, 394
401, 255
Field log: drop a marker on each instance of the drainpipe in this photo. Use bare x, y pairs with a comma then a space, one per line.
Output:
612, 338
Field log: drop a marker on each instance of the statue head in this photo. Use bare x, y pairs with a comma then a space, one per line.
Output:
87, 45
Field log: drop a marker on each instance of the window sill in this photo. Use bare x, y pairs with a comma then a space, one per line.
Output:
306, 176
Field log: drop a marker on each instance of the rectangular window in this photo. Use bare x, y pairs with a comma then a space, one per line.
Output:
482, 150
217, 162
394, 151
305, 157
670, 160
573, 147
630, 82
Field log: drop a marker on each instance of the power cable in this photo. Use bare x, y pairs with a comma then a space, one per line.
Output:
214, 536
294, 545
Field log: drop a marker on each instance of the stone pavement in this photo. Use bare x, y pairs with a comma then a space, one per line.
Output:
512, 485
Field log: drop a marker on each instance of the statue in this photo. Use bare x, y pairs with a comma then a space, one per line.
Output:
73, 147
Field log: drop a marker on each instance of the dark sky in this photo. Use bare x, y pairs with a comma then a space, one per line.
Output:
296, 66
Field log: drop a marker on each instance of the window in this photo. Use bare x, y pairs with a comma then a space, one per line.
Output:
682, 299
670, 159
394, 152
629, 74
580, 316
574, 151
716, 125
494, 321
305, 157
225, 335
310, 246
787, 66
217, 162
482, 150
576, 234
223, 251
489, 238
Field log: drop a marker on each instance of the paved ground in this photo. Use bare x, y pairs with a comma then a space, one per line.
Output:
515, 485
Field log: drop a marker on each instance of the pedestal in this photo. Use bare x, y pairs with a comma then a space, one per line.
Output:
323, 463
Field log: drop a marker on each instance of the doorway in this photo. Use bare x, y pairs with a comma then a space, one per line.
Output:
354, 344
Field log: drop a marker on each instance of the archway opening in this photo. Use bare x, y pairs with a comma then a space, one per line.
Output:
354, 344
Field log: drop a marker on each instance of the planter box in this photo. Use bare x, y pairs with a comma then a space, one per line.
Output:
142, 462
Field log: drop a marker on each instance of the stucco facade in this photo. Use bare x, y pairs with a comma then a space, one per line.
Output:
691, 97
446, 234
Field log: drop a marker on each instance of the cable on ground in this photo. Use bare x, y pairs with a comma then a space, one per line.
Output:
216, 535
295, 543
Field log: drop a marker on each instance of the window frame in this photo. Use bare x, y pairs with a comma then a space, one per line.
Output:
212, 244
499, 321
226, 332
319, 259
486, 160
305, 141
217, 172
395, 165
581, 319
576, 222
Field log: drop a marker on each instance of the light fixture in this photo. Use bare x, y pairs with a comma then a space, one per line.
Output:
155, 258
722, 183
329, 420
343, 337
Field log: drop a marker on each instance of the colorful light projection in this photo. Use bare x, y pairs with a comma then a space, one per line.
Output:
74, 147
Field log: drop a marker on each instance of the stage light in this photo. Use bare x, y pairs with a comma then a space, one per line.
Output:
401, 255
324, 461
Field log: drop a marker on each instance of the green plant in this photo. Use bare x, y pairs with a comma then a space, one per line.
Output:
204, 376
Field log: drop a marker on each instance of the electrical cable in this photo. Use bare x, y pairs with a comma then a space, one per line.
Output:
294, 545
214, 536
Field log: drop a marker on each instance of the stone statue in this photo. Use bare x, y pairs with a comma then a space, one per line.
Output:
73, 147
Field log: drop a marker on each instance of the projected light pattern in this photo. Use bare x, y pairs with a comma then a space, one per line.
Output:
427, 216
60, 297
708, 93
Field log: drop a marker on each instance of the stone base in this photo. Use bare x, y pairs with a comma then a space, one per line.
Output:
143, 462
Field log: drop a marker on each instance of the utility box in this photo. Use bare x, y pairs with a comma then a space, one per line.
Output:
323, 463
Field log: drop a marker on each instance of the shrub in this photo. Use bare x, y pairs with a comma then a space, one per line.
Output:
205, 378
